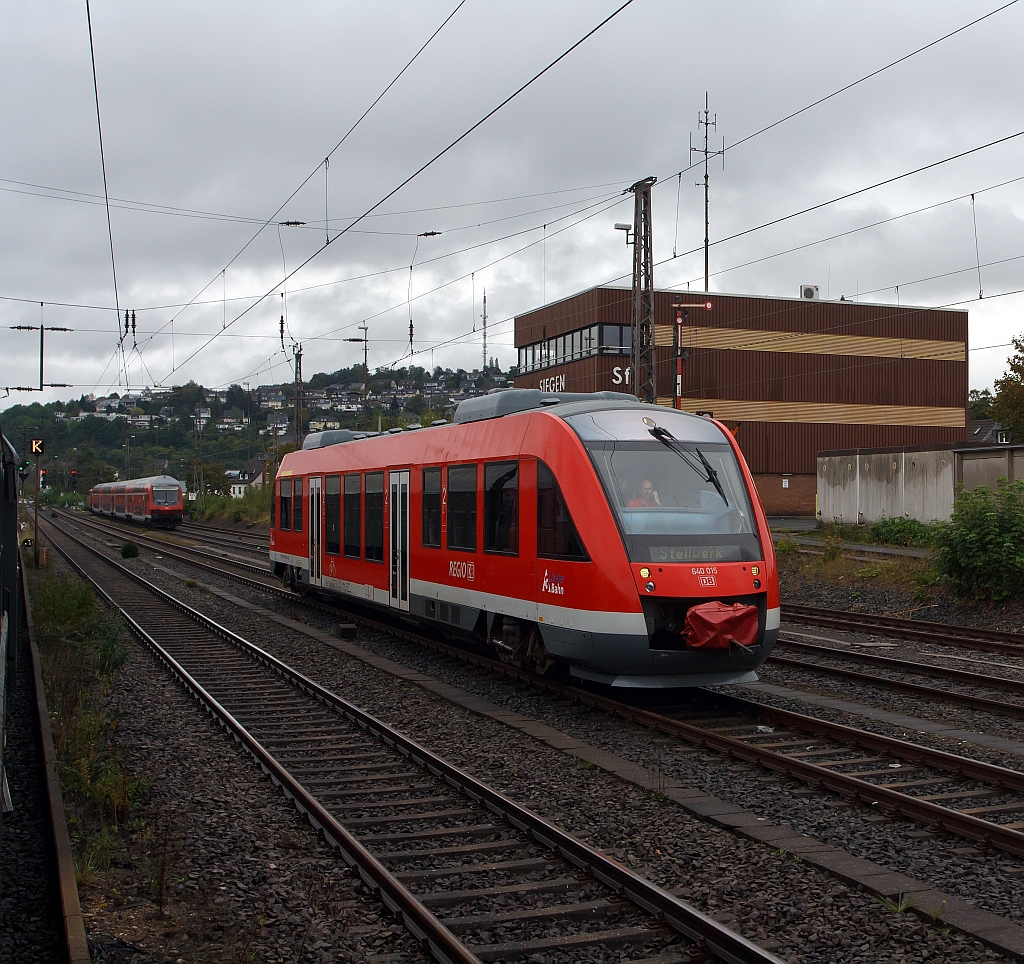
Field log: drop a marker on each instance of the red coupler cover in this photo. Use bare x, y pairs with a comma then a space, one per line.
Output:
714, 625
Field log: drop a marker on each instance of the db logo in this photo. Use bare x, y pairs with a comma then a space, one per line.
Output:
707, 581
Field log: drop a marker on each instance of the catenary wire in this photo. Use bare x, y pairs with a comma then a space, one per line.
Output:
427, 164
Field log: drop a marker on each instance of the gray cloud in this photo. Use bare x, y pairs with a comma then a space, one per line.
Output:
226, 108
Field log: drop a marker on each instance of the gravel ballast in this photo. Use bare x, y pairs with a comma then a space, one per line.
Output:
801, 909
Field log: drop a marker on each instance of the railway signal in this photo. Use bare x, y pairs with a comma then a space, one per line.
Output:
42, 478
74, 480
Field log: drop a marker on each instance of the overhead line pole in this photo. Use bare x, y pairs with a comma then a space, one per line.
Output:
642, 320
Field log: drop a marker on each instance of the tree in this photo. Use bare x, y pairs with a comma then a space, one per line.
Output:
1008, 407
980, 403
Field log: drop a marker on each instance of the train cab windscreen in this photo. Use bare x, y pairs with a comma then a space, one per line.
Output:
674, 484
165, 496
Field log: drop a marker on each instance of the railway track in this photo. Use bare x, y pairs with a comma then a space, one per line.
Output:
251, 541
942, 634
514, 885
190, 554
937, 789
906, 667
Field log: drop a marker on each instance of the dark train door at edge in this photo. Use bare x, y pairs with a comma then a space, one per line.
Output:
398, 535
315, 529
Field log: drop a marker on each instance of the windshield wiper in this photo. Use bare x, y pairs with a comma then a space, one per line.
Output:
712, 474
667, 439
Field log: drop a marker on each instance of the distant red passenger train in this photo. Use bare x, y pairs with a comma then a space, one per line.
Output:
154, 501
621, 541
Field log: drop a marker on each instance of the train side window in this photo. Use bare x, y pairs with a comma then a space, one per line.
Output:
557, 537
286, 504
273, 513
432, 507
462, 507
332, 514
297, 507
374, 526
353, 490
501, 507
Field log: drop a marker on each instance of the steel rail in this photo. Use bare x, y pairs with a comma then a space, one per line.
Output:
998, 707
443, 944
922, 669
846, 785
687, 920
166, 547
988, 640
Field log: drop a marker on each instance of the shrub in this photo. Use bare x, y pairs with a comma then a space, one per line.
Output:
786, 547
833, 546
129, 550
898, 531
980, 551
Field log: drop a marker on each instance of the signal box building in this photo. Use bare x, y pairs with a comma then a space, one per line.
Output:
789, 376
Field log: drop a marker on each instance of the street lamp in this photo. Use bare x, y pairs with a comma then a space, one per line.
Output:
624, 227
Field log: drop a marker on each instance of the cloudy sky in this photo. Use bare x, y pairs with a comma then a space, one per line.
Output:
214, 114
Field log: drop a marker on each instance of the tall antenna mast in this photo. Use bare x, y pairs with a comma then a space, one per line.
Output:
707, 122
484, 369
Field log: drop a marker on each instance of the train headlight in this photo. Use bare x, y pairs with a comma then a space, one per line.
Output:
645, 573
649, 586
755, 570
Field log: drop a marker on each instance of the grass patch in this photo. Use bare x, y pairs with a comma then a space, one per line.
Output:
900, 905
83, 650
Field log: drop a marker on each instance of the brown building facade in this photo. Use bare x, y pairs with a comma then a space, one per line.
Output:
790, 377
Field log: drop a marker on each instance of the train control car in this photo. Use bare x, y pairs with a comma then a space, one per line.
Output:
155, 501
620, 541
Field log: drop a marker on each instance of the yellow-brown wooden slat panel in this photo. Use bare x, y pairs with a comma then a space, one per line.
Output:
746, 339
765, 411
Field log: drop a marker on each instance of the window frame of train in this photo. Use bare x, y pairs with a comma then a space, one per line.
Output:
462, 506
431, 507
352, 516
558, 504
284, 495
501, 536
297, 504
273, 508
373, 517
332, 515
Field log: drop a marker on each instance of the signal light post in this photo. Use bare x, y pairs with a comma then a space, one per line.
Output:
37, 449
682, 312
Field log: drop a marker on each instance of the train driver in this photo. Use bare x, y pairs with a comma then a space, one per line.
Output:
648, 497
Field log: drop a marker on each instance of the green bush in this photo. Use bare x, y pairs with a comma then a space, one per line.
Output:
129, 551
898, 531
833, 546
980, 551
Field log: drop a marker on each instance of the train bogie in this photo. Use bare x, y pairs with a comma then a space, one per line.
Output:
624, 542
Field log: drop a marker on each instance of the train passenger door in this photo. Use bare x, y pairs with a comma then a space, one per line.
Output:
315, 523
398, 553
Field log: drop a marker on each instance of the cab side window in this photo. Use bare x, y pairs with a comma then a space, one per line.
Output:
557, 537
353, 493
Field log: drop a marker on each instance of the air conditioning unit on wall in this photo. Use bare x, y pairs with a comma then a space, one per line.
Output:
809, 292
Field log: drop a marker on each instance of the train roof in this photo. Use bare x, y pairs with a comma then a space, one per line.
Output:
510, 401
159, 481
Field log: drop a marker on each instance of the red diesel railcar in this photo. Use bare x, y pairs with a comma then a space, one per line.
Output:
621, 540
155, 501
